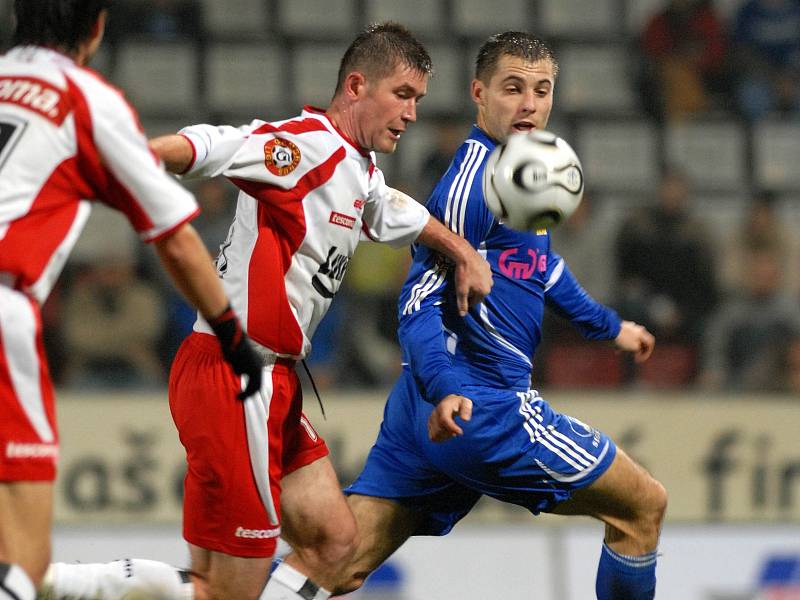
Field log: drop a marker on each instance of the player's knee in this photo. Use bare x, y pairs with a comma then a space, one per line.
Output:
652, 511
340, 545
332, 548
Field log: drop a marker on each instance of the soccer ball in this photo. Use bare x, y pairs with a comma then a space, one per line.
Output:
533, 181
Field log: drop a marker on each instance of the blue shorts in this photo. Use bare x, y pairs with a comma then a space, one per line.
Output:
515, 448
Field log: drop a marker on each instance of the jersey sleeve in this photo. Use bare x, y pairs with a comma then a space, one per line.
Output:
566, 297
125, 173
390, 215
458, 202
214, 147
424, 343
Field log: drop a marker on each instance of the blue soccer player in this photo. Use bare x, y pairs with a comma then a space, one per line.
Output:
462, 421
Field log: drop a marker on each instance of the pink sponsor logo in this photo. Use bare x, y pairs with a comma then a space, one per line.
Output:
522, 268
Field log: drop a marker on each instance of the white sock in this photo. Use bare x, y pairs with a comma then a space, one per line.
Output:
128, 578
15, 583
287, 583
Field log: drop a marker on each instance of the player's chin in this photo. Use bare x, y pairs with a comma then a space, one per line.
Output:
387, 146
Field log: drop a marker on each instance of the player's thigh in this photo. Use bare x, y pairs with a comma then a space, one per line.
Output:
625, 492
219, 576
383, 526
26, 509
314, 510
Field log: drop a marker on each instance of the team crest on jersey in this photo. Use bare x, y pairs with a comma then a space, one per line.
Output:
281, 157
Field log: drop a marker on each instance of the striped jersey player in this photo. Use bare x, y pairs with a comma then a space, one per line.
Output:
462, 420
65, 137
486, 357
308, 195
68, 137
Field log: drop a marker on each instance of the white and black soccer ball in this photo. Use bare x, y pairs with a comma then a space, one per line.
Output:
533, 181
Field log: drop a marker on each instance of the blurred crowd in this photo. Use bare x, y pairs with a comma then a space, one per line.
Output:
726, 312
725, 308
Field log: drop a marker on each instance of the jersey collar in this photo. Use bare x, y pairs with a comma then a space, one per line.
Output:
479, 135
320, 114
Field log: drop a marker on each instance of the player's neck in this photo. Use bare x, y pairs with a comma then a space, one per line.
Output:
342, 116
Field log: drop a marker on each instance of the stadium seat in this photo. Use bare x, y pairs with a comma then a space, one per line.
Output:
639, 12
159, 78
448, 90
153, 127
595, 78
578, 18
583, 364
711, 153
480, 18
315, 68
234, 19
423, 17
242, 77
317, 18
776, 151
670, 366
619, 155
5, 22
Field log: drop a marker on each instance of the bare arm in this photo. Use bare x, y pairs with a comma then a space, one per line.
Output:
187, 261
189, 264
175, 150
473, 274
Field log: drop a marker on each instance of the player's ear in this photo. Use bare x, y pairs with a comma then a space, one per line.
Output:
477, 91
354, 85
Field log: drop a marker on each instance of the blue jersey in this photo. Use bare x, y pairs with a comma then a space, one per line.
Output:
515, 447
494, 344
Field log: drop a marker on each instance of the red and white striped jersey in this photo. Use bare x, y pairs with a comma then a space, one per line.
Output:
307, 196
66, 137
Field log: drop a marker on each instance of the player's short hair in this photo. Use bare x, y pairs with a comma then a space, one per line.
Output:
379, 48
62, 24
512, 43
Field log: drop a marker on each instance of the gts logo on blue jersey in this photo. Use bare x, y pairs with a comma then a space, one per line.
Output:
521, 267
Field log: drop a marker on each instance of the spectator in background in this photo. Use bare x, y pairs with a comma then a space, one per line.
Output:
112, 323
369, 340
761, 229
766, 38
586, 245
745, 344
791, 366
665, 265
217, 201
449, 135
685, 57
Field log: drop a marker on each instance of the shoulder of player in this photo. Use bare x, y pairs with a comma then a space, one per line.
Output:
307, 135
97, 92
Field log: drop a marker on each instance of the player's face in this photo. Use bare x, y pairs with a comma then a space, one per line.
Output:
518, 97
387, 106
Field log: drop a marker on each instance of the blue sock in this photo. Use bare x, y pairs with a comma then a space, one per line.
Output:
626, 577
